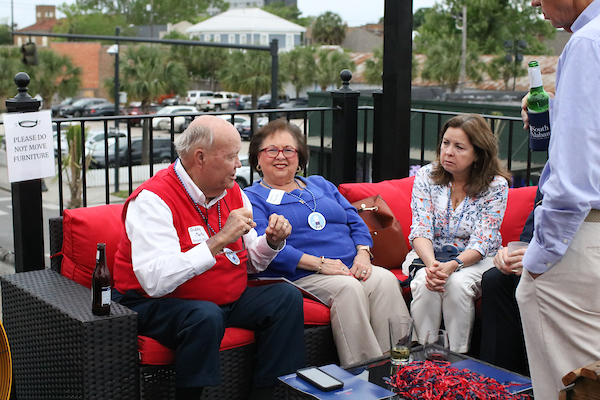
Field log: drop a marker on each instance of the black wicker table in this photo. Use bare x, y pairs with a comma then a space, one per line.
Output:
60, 349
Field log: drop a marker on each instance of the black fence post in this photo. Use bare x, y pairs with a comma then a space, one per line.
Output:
344, 132
378, 140
274, 77
28, 221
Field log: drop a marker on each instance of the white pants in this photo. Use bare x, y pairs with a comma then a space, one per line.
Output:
560, 311
456, 304
359, 311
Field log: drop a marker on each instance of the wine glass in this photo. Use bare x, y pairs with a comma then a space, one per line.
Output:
437, 345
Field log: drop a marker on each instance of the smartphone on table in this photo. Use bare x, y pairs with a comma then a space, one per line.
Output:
319, 379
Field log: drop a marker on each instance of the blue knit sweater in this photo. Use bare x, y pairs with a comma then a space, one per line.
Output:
343, 231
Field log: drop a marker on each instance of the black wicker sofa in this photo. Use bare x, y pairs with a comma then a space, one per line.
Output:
61, 351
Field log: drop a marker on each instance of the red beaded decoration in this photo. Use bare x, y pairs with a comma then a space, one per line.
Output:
437, 380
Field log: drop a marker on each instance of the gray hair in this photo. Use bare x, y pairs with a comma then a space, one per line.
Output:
196, 135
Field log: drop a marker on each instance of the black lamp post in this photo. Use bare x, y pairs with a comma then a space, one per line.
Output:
114, 49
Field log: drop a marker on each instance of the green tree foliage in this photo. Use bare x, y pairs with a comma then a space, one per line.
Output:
10, 64
489, 24
78, 21
291, 13
160, 12
72, 165
329, 28
330, 63
147, 72
501, 68
374, 67
248, 72
443, 63
299, 66
5, 36
55, 74
201, 62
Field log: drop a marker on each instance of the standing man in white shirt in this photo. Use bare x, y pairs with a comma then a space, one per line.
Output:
182, 264
558, 292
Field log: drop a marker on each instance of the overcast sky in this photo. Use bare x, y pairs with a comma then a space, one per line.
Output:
354, 12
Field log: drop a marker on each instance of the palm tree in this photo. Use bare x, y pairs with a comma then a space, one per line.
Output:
330, 64
55, 74
147, 73
299, 66
329, 28
443, 63
248, 72
9, 66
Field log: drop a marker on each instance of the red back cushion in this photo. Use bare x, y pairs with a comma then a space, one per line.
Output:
396, 193
83, 228
520, 204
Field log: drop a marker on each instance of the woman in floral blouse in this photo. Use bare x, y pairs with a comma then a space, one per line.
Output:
458, 203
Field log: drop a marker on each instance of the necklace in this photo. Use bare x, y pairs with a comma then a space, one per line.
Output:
230, 254
462, 213
316, 220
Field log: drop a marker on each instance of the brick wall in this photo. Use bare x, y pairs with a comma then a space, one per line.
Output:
86, 56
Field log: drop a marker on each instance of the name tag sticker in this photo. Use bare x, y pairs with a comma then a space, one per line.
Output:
275, 196
197, 234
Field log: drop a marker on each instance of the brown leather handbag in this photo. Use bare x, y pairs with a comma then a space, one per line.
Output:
389, 246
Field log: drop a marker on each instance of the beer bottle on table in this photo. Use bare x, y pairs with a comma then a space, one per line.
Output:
537, 110
101, 283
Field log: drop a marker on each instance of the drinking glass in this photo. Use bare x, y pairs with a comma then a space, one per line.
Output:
437, 345
400, 339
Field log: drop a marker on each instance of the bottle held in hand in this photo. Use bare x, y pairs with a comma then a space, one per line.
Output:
101, 283
537, 110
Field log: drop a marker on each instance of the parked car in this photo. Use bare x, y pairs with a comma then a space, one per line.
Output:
76, 109
243, 102
195, 97
96, 136
66, 102
300, 102
164, 123
264, 101
245, 128
242, 174
64, 144
238, 120
136, 109
220, 101
161, 152
99, 110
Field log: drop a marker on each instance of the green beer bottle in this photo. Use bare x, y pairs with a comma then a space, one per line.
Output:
537, 109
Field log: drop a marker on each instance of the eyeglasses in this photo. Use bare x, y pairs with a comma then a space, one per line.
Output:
273, 152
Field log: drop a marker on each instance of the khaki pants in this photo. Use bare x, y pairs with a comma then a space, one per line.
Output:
359, 311
560, 311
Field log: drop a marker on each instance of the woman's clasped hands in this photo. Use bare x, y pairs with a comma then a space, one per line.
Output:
437, 275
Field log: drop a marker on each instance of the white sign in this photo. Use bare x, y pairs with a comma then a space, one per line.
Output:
29, 145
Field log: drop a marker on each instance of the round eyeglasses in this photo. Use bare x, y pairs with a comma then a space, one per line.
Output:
273, 152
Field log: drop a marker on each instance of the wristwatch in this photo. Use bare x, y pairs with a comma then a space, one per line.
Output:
365, 247
461, 264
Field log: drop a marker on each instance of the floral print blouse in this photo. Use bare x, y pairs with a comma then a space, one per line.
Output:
474, 224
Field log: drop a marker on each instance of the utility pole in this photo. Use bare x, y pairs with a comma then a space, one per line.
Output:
463, 56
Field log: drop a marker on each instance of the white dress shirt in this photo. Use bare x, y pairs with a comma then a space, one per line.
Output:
158, 262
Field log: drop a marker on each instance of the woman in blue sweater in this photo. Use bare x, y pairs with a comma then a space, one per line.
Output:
328, 252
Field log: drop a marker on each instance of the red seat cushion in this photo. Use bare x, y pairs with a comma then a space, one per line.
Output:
153, 353
315, 313
83, 228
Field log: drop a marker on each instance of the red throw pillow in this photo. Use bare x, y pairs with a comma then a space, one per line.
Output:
83, 228
518, 207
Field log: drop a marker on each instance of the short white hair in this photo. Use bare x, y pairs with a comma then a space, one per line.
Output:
196, 135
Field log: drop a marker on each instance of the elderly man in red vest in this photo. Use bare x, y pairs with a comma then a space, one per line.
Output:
183, 260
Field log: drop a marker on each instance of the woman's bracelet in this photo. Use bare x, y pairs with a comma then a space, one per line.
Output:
320, 265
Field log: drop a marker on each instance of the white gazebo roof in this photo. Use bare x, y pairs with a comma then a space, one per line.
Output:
246, 20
